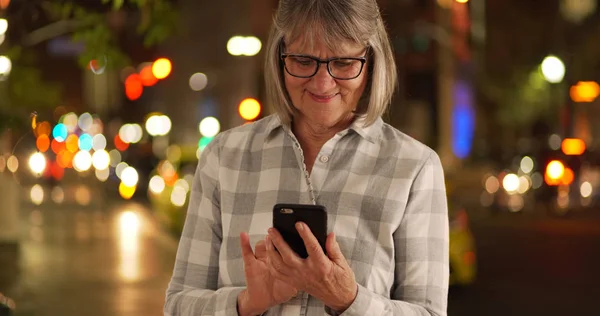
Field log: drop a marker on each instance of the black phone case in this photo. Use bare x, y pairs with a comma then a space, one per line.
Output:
315, 216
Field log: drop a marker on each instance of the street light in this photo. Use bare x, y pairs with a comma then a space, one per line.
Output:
244, 45
553, 69
5, 67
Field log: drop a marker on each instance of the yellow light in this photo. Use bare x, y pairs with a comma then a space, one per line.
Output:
249, 109
161, 68
585, 91
555, 170
573, 146
125, 191
462, 1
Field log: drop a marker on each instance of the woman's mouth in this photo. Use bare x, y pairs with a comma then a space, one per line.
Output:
320, 98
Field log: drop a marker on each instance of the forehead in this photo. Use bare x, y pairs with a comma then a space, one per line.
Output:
318, 47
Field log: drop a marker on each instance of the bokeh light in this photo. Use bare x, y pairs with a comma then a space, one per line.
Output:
161, 68
125, 191
156, 184
65, 159
85, 142
37, 194
60, 132
204, 141
158, 125
102, 174
527, 164
120, 168
134, 87
120, 144
147, 77
99, 142
249, 109
129, 177
115, 158
42, 143
553, 69
37, 163
178, 196
198, 81
82, 161
209, 126
12, 163
85, 121
57, 195
70, 120
511, 182
43, 128
101, 160
72, 143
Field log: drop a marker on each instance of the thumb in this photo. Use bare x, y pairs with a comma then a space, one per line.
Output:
334, 252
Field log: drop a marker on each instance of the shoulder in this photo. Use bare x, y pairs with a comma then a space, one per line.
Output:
241, 135
404, 147
244, 138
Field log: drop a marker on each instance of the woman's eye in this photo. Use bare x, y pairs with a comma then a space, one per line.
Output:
303, 61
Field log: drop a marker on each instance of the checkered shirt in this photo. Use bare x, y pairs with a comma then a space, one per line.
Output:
386, 202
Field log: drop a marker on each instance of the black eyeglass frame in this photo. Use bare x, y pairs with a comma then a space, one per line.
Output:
362, 60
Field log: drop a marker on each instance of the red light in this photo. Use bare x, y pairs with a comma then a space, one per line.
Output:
120, 144
133, 87
147, 76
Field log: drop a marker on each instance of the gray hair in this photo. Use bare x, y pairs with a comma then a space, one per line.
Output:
333, 22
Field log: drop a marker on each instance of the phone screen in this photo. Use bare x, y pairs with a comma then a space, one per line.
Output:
285, 217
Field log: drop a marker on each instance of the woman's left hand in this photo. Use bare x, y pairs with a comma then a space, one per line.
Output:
326, 277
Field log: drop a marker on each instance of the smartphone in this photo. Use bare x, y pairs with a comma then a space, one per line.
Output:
285, 217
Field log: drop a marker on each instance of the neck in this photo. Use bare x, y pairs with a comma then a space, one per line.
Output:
314, 136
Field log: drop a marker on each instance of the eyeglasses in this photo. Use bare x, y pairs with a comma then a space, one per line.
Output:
306, 66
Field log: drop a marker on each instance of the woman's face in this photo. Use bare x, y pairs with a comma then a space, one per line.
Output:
322, 100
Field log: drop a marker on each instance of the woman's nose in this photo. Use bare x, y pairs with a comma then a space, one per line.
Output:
322, 79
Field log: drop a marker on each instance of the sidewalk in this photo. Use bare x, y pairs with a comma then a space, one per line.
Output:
76, 260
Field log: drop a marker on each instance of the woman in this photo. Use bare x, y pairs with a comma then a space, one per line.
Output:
330, 76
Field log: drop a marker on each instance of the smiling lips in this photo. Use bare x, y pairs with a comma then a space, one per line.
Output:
322, 98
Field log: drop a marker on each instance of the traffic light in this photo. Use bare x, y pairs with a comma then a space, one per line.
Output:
249, 109
585, 91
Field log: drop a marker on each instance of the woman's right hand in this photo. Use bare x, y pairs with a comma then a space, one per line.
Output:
263, 291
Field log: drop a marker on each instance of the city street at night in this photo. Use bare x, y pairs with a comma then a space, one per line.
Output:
533, 265
115, 260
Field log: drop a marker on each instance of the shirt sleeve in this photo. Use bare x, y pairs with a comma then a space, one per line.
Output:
421, 249
193, 289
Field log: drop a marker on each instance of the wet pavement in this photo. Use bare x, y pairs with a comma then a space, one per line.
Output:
100, 259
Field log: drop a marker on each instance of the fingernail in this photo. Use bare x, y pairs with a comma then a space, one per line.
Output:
270, 231
299, 226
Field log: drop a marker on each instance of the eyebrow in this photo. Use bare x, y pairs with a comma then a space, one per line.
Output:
364, 54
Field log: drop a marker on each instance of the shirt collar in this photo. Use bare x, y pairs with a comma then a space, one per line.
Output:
370, 133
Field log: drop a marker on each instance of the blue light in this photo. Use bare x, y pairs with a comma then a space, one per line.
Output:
60, 132
463, 120
85, 142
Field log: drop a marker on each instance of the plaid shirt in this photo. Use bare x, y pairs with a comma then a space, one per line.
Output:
386, 202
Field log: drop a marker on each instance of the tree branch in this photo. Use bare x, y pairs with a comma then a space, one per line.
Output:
51, 31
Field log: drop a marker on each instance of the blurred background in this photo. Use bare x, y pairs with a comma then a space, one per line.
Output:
105, 106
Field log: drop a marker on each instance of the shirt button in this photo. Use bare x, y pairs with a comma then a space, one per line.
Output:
324, 159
